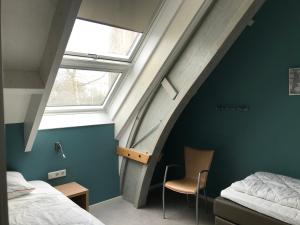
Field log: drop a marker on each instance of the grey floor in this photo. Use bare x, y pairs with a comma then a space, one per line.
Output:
119, 212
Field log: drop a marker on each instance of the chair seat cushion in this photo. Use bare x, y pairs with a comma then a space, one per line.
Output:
184, 186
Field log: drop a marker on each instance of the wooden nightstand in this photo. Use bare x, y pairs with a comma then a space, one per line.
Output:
76, 192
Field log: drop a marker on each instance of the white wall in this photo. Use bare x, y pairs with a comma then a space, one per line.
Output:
3, 191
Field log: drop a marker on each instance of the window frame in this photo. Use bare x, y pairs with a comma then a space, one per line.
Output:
83, 61
94, 65
82, 107
136, 46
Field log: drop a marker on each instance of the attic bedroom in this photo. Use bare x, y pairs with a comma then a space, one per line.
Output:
149, 112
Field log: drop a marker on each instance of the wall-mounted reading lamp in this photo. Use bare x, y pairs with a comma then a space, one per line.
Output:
59, 149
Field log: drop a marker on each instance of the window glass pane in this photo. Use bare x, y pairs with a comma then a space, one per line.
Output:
94, 38
74, 87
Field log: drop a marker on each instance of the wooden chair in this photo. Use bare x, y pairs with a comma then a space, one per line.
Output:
197, 165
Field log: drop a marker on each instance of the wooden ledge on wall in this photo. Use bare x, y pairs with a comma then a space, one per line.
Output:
134, 154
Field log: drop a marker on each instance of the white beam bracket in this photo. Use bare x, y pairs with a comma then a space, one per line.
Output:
169, 88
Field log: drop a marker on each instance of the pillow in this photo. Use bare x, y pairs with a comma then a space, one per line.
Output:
17, 185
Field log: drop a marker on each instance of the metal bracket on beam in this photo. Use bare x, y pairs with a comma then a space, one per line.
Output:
170, 89
146, 135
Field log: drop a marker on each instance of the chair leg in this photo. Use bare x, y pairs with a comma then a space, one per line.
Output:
163, 202
197, 203
206, 201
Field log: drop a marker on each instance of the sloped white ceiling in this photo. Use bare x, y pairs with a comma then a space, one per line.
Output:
26, 26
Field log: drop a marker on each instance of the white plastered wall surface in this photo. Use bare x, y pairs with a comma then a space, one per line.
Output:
25, 32
35, 36
3, 186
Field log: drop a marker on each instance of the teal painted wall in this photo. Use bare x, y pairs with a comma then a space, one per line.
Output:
254, 72
91, 159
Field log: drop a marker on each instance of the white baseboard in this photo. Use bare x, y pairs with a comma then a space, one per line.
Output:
99, 203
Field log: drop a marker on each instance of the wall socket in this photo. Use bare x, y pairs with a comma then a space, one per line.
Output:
57, 174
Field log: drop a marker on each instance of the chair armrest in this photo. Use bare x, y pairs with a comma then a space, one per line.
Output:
167, 169
203, 171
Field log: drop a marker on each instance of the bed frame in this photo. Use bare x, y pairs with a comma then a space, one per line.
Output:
230, 213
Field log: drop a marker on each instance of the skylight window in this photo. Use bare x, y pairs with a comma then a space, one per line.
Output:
74, 87
94, 39
82, 83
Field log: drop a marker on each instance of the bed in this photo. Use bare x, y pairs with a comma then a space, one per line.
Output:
262, 198
47, 206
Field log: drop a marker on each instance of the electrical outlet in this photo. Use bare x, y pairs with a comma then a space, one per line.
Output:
57, 174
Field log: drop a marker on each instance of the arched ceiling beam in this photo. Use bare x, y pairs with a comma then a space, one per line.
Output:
212, 39
175, 36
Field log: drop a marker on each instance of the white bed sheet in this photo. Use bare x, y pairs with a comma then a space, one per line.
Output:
47, 206
275, 210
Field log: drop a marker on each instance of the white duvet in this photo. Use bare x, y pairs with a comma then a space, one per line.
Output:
47, 206
271, 194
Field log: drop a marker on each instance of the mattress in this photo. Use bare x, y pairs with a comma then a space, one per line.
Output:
228, 212
47, 206
270, 194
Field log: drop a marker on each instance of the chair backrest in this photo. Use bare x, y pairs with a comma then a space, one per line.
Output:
196, 161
